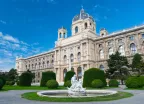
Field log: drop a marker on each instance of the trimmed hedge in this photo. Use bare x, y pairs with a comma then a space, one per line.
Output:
67, 83
134, 82
46, 76
113, 83
92, 74
18, 83
1, 84
142, 79
25, 79
52, 84
97, 83
68, 76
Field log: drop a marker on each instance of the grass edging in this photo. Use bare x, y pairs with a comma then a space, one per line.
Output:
34, 96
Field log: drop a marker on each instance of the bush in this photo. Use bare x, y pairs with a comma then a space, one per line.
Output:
67, 83
68, 76
113, 83
142, 79
11, 83
92, 74
97, 83
52, 84
134, 82
46, 76
3, 79
25, 79
1, 84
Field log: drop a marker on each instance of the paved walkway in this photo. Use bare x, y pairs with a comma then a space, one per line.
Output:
14, 97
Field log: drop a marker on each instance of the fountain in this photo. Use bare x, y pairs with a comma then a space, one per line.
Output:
76, 90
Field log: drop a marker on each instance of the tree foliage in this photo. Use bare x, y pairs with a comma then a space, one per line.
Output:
12, 75
138, 64
116, 61
117, 67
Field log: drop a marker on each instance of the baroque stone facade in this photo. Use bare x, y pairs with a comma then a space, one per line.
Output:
84, 49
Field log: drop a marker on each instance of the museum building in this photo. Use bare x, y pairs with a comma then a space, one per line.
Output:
84, 49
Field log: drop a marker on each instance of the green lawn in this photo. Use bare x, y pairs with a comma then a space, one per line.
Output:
134, 88
34, 96
6, 88
29, 88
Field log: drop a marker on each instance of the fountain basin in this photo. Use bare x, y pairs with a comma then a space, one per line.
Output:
64, 93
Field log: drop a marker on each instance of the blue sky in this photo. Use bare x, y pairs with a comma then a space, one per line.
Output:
29, 27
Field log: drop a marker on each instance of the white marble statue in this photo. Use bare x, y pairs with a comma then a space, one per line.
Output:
76, 88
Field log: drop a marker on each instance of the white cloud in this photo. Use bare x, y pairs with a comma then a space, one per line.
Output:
24, 43
24, 49
10, 38
3, 22
10, 47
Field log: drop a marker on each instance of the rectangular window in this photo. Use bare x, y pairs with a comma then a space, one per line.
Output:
143, 36
131, 37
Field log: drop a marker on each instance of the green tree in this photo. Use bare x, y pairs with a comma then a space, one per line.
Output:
117, 66
138, 64
12, 75
32, 74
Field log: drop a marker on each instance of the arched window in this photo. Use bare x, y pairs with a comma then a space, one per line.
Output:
110, 51
121, 50
64, 73
71, 57
47, 63
100, 45
60, 35
101, 67
76, 29
36, 65
38, 74
32, 66
43, 64
79, 56
85, 25
79, 72
120, 41
133, 48
101, 54
65, 59
52, 62
102, 34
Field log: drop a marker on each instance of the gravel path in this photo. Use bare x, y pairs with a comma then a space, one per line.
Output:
14, 97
